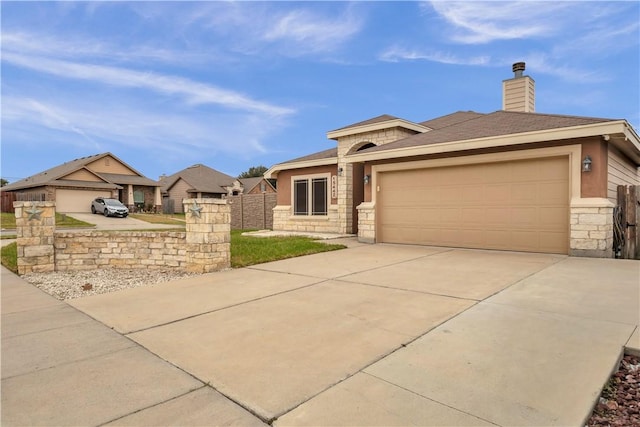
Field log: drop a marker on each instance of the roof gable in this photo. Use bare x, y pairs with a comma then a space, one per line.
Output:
201, 178
379, 123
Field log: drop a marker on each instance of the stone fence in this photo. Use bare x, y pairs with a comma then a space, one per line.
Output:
252, 210
204, 246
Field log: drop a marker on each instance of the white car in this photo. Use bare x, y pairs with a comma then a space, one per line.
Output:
109, 207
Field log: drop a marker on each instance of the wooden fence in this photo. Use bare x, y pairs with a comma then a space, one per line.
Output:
7, 199
626, 220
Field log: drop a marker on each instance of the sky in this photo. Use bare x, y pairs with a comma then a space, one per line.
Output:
231, 85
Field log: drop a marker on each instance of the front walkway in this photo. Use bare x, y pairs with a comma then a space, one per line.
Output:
370, 335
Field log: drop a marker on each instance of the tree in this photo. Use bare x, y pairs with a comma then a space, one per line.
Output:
3, 182
254, 171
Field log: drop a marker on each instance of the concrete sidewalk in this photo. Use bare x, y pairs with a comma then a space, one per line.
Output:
370, 335
62, 368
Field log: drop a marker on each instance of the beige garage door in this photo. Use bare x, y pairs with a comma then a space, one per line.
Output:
516, 205
77, 200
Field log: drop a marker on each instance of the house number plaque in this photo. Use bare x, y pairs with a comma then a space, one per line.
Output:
334, 187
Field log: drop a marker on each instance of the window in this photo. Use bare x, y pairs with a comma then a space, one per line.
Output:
310, 196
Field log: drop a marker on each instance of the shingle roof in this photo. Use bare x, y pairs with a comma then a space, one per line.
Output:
53, 175
379, 119
488, 125
250, 183
128, 179
451, 119
326, 154
201, 178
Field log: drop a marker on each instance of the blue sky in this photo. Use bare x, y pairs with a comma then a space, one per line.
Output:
164, 85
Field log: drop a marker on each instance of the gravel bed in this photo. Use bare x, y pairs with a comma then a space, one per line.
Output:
620, 399
76, 284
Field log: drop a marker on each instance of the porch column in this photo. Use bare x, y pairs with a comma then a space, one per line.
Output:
130, 204
158, 200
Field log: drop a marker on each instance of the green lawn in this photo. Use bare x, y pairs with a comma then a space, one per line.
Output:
8, 220
175, 219
245, 250
9, 256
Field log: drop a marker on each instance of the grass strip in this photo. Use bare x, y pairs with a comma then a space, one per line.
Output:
175, 219
8, 221
251, 250
9, 256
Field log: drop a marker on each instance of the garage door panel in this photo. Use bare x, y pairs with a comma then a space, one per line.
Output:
552, 193
70, 201
518, 205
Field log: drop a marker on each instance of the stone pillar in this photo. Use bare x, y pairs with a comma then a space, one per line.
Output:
345, 198
591, 228
208, 234
366, 222
35, 225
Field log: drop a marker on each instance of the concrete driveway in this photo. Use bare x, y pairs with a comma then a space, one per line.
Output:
371, 335
114, 223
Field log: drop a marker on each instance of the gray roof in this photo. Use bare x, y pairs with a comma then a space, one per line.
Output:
117, 178
55, 175
378, 119
487, 125
451, 119
326, 154
250, 183
201, 178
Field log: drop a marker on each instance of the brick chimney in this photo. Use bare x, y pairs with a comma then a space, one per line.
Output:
518, 93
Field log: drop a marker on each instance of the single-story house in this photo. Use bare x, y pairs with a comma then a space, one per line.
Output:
73, 185
200, 181
513, 179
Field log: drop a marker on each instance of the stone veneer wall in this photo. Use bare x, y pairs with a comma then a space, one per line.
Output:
88, 250
252, 210
35, 224
284, 220
591, 233
204, 247
366, 222
208, 234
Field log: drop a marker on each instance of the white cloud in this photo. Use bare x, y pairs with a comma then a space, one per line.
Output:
312, 32
263, 28
396, 54
194, 93
482, 22
33, 43
79, 122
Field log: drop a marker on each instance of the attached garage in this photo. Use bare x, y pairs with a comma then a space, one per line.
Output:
77, 200
519, 205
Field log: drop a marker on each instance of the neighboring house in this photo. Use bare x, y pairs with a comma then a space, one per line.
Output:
195, 182
256, 185
509, 180
73, 185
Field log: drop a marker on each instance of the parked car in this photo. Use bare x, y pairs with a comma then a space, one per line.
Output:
109, 207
